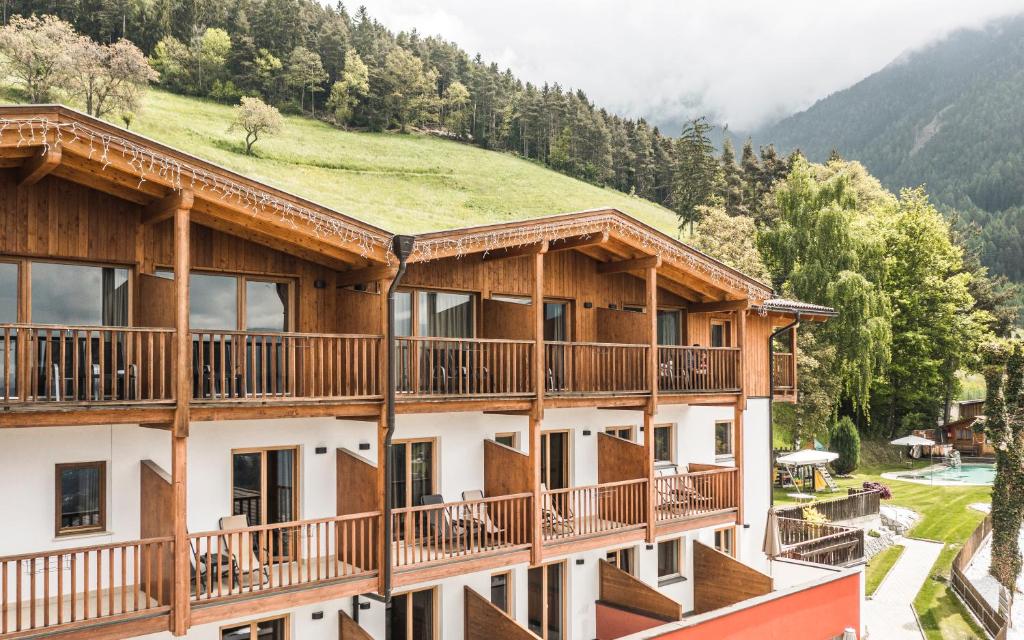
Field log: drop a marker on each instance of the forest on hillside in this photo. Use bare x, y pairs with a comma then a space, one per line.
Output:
948, 116
304, 57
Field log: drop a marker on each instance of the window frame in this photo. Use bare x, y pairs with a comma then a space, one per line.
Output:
435, 451
614, 431
61, 532
252, 626
680, 313
241, 288
671, 426
563, 596
24, 265
622, 552
568, 457
727, 329
510, 592
435, 630
674, 576
296, 479
731, 455
728, 533
514, 435
19, 287
414, 309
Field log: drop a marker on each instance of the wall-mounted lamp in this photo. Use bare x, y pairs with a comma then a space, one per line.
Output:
650, 547
579, 561
588, 305
321, 450
364, 446
318, 615
319, 284
613, 306
364, 605
586, 432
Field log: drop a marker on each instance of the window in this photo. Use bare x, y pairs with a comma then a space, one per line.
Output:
435, 314
669, 560
508, 439
664, 445
725, 540
214, 303
8, 292
264, 488
81, 497
79, 294
554, 459
723, 439
634, 308
523, 300
412, 472
621, 558
721, 333
270, 629
626, 433
411, 616
502, 592
670, 327
556, 321
546, 600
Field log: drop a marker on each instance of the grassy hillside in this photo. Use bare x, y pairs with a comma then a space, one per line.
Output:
404, 183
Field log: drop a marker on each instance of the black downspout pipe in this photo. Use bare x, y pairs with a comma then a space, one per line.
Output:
771, 402
401, 246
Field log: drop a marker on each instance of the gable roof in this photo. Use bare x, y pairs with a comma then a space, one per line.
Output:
619, 235
83, 149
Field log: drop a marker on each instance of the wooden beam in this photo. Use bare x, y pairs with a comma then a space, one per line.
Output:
712, 307
164, 208
38, 167
368, 274
577, 242
516, 252
165, 426
518, 412
636, 264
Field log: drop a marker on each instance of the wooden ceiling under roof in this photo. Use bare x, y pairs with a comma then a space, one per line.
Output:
54, 140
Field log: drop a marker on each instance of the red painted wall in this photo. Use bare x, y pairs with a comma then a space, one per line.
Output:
817, 613
613, 622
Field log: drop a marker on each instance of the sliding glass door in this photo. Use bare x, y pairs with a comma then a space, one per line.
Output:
264, 489
443, 365
412, 616
546, 600
556, 329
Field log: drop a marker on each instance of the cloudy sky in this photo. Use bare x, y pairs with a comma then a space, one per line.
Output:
741, 62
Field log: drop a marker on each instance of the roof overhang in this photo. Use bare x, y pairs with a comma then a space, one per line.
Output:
790, 308
608, 236
56, 140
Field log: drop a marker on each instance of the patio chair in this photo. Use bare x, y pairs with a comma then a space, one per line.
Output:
245, 563
446, 533
552, 519
477, 513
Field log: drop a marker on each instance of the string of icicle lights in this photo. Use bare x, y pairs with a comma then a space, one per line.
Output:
585, 226
147, 163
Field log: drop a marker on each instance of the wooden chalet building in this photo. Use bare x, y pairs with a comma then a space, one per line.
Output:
582, 411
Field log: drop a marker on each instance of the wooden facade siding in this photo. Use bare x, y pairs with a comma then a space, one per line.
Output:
621, 589
484, 621
720, 580
619, 459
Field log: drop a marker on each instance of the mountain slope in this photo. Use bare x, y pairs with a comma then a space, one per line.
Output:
403, 183
949, 116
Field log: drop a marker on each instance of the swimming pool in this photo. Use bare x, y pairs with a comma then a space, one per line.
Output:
968, 474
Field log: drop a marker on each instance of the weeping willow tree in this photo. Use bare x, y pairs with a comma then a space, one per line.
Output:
1003, 428
823, 249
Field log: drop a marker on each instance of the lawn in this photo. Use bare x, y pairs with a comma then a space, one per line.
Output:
878, 567
404, 183
945, 518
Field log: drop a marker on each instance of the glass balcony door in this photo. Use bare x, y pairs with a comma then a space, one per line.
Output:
264, 488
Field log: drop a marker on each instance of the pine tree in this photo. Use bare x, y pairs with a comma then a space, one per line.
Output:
697, 173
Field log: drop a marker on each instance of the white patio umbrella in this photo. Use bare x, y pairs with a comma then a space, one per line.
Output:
772, 545
805, 457
913, 441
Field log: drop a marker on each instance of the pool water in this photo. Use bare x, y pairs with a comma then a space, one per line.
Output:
967, 474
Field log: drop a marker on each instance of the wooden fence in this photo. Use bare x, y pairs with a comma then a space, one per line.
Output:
829, 544
855, 505
993, 621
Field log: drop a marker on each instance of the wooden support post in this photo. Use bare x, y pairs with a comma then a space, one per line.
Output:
180, 612
741, 406
651, 298
537, 414
382, 430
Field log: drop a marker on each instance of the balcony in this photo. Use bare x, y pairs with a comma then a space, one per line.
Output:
248, 366
705, 491
698, 369
70, 588
784, 372
463, 367
595, 368
577, 513
49, 365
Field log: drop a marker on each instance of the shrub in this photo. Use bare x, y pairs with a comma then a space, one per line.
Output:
812, 515
846, 442
884, 492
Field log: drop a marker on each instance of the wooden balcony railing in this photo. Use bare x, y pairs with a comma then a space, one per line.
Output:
597, 509
460, 530
239, 366
51, 589
84, 365
688, 495
463, 367
821, 543
784, 370
592, 367
698, 369
266, 558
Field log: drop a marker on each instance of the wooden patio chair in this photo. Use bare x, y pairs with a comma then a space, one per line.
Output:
477, 513
553, 519
240, 548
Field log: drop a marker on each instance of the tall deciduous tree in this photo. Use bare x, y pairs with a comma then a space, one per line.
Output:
353, 86
306, 73
37, 53
408, 89
109, 78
